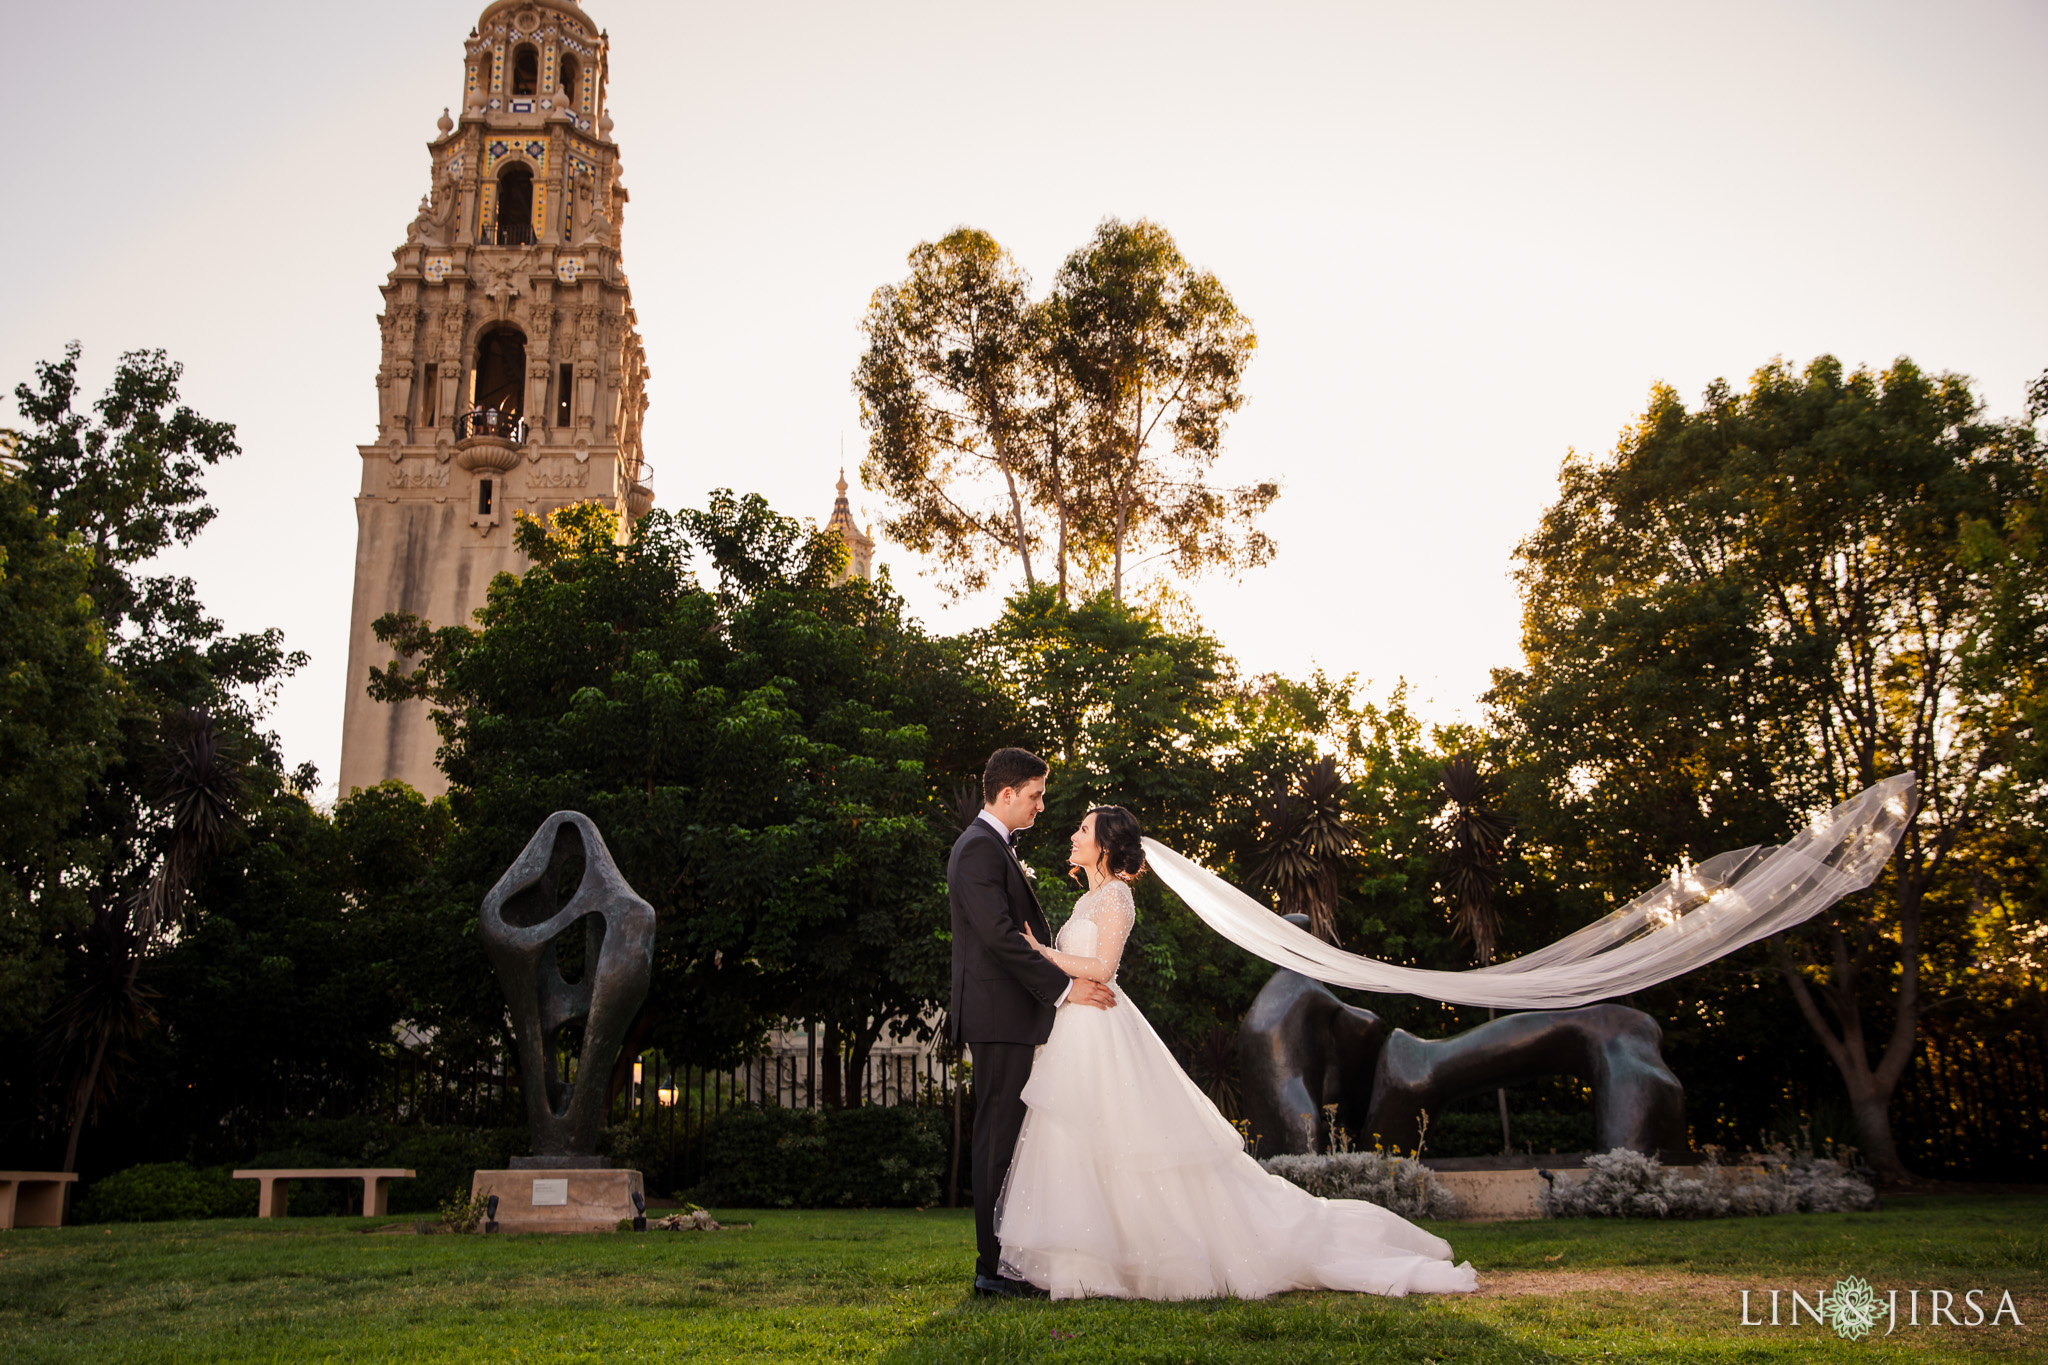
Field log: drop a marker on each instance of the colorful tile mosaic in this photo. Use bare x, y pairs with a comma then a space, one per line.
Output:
497, 149
540, 212
568, 269
436, 268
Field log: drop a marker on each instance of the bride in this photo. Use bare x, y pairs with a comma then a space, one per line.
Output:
1127, 1183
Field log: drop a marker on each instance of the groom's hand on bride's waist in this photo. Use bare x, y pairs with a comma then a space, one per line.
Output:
1086, 992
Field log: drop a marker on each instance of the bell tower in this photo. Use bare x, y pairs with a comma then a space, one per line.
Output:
512, 376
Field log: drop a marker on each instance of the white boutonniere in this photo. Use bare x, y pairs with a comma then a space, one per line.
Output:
1030, 872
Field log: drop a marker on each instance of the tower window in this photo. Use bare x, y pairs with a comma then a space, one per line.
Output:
525, 70
483, 497
565, 390
430, 390
486, 67
515, 206
570, 71
500, 380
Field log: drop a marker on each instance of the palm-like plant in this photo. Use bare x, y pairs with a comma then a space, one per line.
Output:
196, 784
1470, 839
1306, 844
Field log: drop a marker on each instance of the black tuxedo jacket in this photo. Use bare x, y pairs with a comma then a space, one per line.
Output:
1003, 991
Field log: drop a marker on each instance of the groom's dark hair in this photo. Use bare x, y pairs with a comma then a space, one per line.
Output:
1009, 768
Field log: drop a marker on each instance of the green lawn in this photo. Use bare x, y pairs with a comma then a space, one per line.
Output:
890, 1287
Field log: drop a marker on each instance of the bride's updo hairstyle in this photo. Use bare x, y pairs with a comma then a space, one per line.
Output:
1118, 835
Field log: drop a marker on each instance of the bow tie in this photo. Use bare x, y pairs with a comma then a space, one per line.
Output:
1015, 835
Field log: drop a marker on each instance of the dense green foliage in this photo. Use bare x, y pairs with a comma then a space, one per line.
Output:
153, 757
163, 1191
867, 1157
1753, 611
770, 757
1752, 607
60, 709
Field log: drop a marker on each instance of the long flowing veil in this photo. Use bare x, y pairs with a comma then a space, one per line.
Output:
1699, 914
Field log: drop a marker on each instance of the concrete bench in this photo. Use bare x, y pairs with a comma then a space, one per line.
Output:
33, 1199
273, 1187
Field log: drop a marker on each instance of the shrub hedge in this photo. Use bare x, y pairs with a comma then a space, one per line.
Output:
165, 1190
870, 1157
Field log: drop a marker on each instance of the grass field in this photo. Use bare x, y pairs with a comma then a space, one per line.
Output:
889, 1287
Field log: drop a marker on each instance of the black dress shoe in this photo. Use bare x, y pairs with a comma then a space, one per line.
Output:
1007, 1288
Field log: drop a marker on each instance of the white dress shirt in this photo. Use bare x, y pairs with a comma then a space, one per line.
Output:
999, 827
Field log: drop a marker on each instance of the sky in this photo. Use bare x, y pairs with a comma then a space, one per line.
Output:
1471, 237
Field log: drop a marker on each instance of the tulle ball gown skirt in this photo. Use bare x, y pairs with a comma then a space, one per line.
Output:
1127, 1183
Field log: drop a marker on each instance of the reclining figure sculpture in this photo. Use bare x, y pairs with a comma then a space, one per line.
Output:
1301, 1048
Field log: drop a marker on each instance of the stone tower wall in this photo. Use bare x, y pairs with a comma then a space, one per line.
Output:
526, 311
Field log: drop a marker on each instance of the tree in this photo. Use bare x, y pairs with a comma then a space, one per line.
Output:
1158, 349
1752, 611
123, 482
1473, 838
1098, 411
945, 389
60, 712
1307, 846
767, 758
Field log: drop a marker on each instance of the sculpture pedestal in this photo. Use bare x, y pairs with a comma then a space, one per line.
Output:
559, 1200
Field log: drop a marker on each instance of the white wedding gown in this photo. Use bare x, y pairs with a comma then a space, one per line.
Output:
1127, 1182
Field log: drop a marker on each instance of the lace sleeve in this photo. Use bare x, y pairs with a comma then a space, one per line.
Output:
1113, 914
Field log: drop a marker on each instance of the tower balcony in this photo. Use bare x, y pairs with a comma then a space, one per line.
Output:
486, 438
640, 492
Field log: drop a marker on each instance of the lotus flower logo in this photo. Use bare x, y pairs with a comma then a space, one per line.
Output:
1852, 1308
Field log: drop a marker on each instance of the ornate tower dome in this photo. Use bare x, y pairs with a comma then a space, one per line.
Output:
512, 376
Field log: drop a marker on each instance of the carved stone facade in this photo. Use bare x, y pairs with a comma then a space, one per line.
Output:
860, 545
513, 377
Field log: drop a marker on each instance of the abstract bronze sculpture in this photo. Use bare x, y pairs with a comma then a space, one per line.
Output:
524, 918
1301, 1048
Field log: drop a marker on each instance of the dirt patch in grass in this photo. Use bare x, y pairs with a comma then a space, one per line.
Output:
1507, 1284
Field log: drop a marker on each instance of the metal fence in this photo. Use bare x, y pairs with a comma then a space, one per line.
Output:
672, 1104
1975, 1104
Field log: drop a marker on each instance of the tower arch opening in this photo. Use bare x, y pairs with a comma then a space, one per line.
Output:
571, 72
526, 70
515, 205
498, 383
486, 69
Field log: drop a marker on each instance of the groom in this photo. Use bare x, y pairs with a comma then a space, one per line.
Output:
1004, 993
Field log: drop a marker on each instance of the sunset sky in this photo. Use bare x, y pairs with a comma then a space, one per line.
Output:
1471, 237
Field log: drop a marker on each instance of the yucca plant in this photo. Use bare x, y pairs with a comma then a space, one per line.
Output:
1470, 840
1307, 842
197, 780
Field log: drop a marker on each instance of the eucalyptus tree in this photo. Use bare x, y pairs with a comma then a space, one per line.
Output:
1752, 611
1158, 349
1090, 418
945, 392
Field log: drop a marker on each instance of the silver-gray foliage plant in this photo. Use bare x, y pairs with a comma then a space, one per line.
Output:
1627, 1184
1398, 1183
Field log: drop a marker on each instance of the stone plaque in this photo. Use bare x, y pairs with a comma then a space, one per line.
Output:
546, 1192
